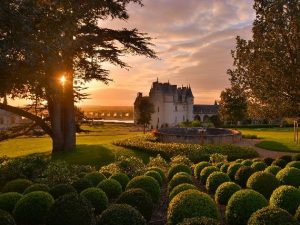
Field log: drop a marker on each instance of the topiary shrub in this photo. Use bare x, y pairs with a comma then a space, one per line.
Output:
180, 178
200, 221
121, 214
71, 209
206, 172
224, 167
81, 184
232, 169
18, 185
219, 164
178, 168
61, 189
297, 214
295, 164
95, 178
257, 160
289, 176
268, 161
159, 170
264, 183
279, 162
199, 167
242, 175
155, 175
122, 178
180, 188
239, 160
286, 197
139, 199
287, 158
272, 169
9, 200
6, 218
242, 204
225, 191
146, 183
97, 198
32, 208
111, 187
296, 157
214, 180
37, 187
259, 166
271, 216
247, 162
191, 203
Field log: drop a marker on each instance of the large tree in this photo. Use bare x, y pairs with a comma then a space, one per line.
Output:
145, 109
41, 41
268, 66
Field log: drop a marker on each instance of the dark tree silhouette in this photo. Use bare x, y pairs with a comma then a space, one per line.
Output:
145, 109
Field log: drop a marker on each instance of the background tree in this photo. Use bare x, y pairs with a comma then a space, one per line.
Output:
43, 41
145, 109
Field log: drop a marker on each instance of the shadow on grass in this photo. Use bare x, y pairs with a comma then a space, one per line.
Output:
275, 146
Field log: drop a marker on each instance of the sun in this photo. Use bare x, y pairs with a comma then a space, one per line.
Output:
63, 80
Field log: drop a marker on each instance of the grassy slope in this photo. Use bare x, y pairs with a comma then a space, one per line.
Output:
276, 139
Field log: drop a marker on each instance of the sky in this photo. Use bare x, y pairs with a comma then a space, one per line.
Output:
193, 40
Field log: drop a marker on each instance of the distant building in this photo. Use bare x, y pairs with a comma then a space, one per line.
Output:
204, 112
8, 120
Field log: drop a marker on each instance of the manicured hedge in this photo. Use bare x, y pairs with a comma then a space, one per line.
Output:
159, 170
6, 218
279, 162
225, 191
95, 178
122, 178
180, 188
289, 176
272, 169
9, 200
37, 187
111, 187
259, 166
214, 180
61, 189
97, 198
178, 168
180, 178
81, 184
199, 167
206, 172
155, 175
200, 221
295, 164
18, 185
232, 169
242, 175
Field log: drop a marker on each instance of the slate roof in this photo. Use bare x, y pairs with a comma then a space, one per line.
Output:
206, 109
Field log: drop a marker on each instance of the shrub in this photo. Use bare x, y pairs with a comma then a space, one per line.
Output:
200, 221
139, 199
178, 168
224, 167
17, 185
279, 162
61, 189
272, 169
122, 178
242, 175
95, 178
240, 160
295, 164
181, 159
219, 164
217, 158
37, 187
242, 204
158, 162
199, 167
214, 180
286, 197
287, 158
232, 169
6, 218
81, 184
71, 209
264, 183
97, 198
191, 203
206, 172
297, 214
180, 178
32, 208
271, 216
180, 188
259, 166
296, 157
289, 176
9, 200
247, 162
160, 171
268, 161
111, 187
146, 183
225, 191
132, 166
154, 175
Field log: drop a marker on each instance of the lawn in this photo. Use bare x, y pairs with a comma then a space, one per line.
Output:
93, 148
276, 139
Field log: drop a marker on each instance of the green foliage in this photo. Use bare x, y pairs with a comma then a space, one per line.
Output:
139, 199
286, 197
97, 198
214, 180
225, 191
247, 162
264, 183
199, 167
146, 183
232, 169
81, 184
268, 161
180, 188
111, 187
242, 204
191, 203
6, 218
181, 159
200, 221
121, 214
37, 187
259, 166
272, 169
61, 189
95, 178
158, 162
9, 200
295, 164
145, 109
18, 185
71, 209
180, 178
242, 175
206, 172
297, 214
296, 157
287, 158
159, 170
224, 167
122, 178
289, 176
178, 168
32, 208
271, 216
217, 158
155, 175
279, 162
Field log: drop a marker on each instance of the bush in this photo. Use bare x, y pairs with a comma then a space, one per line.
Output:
286, 197
61, 189
296, 157
180, 188
6, 218
191, 203
158, 162
225, 191
81, 184
122, 178
95, 178
181, 159
214, 180
9, 200
219, 164
271, 216
297, 214
37, 187
217, 158
180, 178
146, 183
268, 161
32, 208
287, 158
111, 187
272, 169
139, 199
154, 175
242, 175
279, 162
289, 176
71, 209
18, 185
232, 169
259, 166
247, 162
264, 183
206, 172
295, 164
224, 167
178, 168
160, 171
242, 204
200, 221
97, 198
199, 167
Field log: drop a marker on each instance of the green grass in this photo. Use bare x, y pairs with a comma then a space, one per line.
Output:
276, 139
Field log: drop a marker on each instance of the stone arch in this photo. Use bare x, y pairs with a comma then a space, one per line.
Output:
206, 118
197, 117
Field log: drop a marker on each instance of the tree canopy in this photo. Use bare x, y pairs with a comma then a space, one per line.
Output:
145, 108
